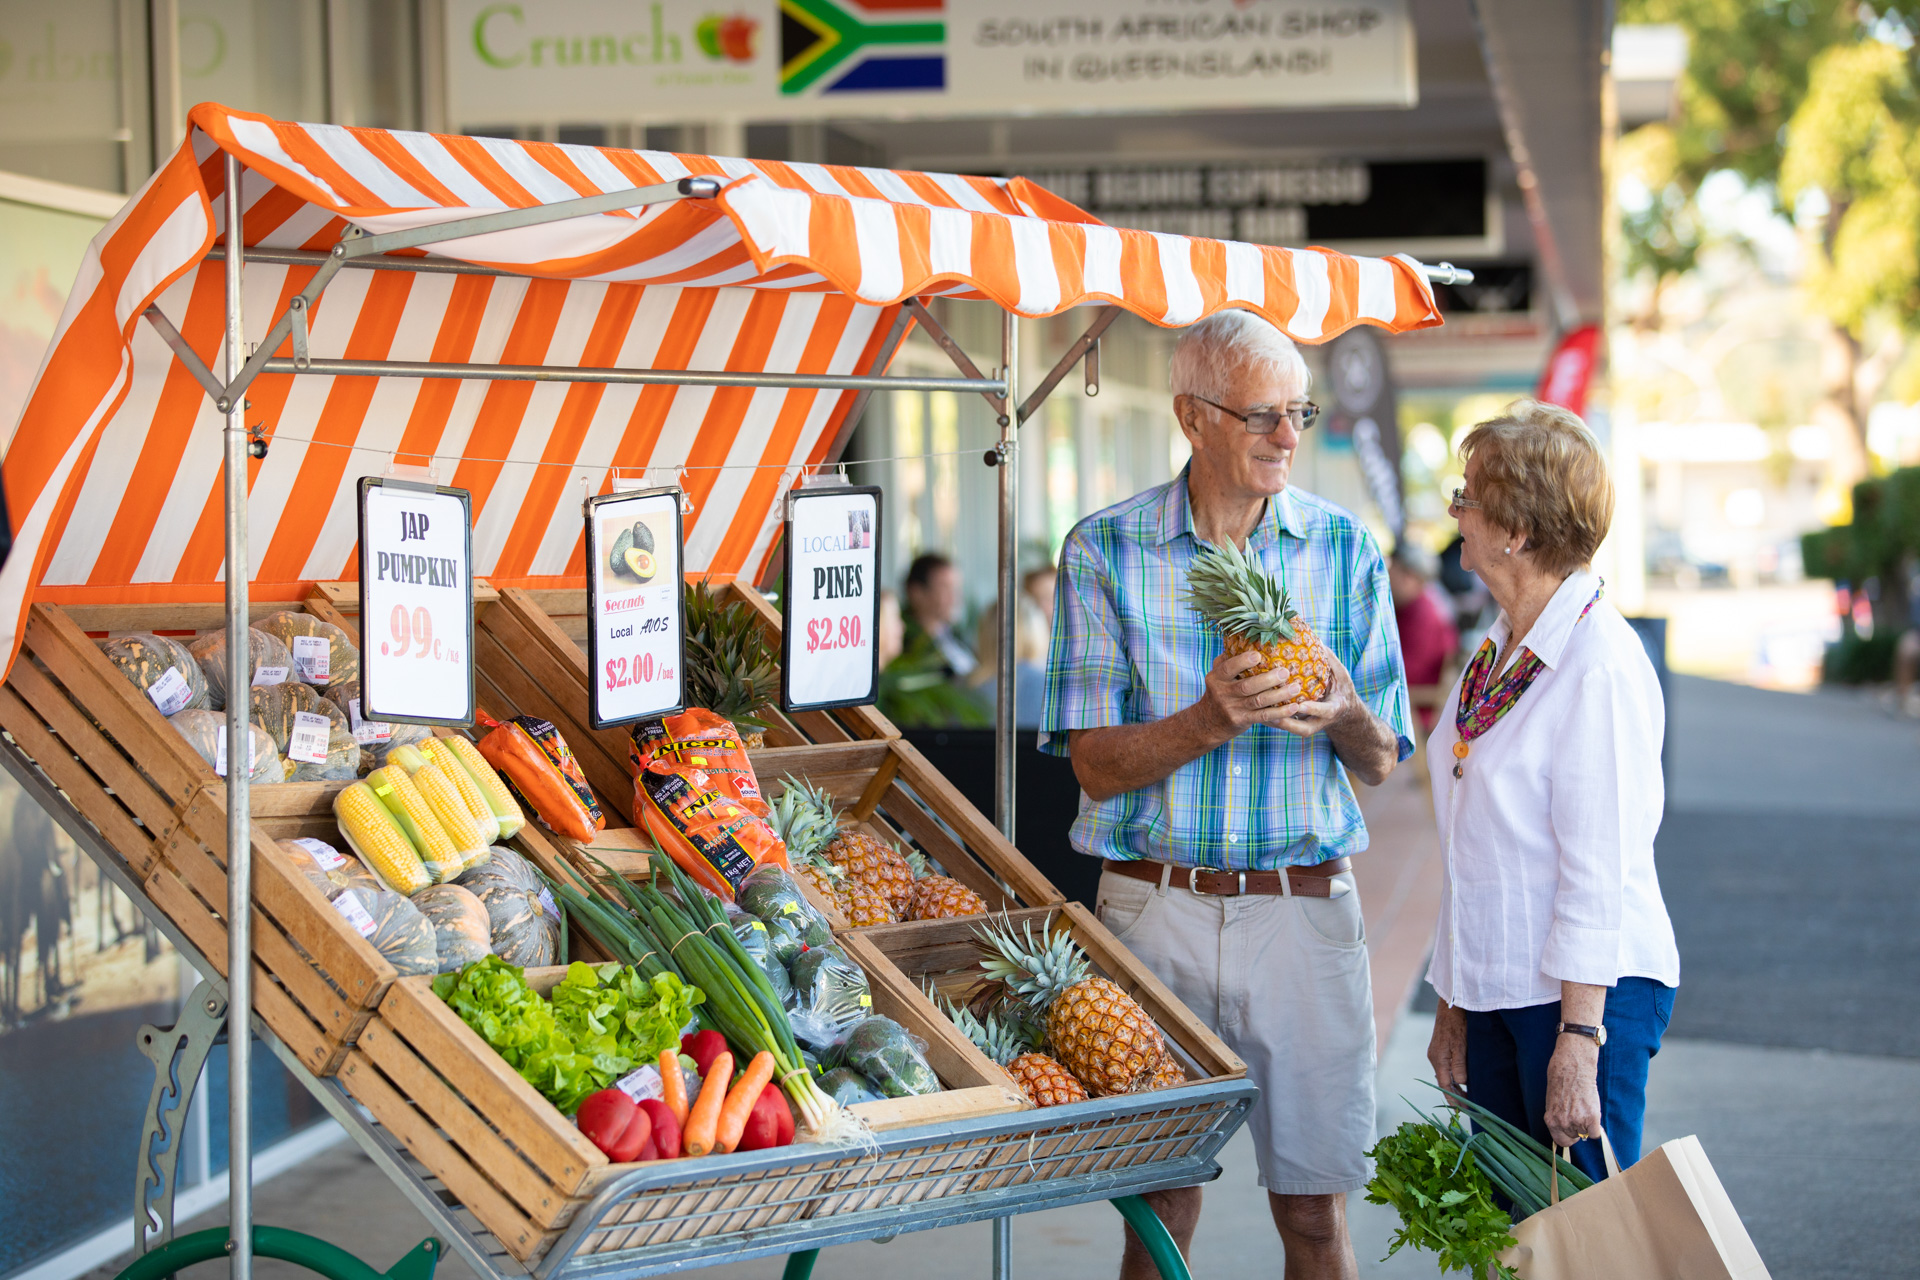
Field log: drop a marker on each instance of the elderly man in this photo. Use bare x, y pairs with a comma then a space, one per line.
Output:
1221, 804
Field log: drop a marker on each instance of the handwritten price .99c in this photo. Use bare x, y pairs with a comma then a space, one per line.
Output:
415, 629
829, 633
643, 670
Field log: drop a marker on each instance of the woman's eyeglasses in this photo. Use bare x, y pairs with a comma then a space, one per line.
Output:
1462, 502
1263, 422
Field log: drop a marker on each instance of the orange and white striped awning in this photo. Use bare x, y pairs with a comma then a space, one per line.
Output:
113, 471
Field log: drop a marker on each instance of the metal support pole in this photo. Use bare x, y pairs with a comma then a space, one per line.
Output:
1003, 1249
239, 764
1009, 576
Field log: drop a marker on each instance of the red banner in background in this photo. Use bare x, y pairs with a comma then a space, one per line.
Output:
1570, 371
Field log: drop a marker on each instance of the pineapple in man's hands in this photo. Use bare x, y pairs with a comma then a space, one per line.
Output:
1227, 588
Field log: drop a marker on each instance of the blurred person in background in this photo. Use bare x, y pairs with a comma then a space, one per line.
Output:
1906, 656
1038, 587
1427, 634
890, 639
923, 687
1553, 956
1029, 660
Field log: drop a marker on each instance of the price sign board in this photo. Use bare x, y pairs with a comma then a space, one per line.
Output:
832, 599
636, 642
416, 603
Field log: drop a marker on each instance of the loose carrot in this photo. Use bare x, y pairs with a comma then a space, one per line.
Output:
704, 1118
673, 1085
733, 1116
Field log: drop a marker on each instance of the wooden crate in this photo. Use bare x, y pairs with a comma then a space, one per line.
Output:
163, 810
1064, 1141
524, 1170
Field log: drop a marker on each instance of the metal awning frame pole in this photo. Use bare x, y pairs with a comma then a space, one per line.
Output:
239, 767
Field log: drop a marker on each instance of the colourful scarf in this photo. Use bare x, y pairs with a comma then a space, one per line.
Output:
1480, 707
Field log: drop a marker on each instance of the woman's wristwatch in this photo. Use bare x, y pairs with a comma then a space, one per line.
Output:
1597, 1034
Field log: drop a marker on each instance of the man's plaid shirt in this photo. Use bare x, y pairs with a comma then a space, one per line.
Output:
1127, 650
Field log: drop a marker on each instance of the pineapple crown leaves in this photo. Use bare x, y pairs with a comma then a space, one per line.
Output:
1034, 971
1227, 588
917, 863
1001, 1038
732, 670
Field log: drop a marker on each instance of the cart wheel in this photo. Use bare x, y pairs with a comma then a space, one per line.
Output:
315, 1255
800, 1265
1154, 1235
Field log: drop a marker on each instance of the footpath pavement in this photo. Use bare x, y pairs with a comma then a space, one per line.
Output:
1790, 859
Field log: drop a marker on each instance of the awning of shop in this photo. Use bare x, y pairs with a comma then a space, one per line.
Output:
113, 472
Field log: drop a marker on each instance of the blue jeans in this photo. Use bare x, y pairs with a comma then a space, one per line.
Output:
1508, 1050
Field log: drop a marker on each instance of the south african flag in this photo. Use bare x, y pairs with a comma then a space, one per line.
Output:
862, 46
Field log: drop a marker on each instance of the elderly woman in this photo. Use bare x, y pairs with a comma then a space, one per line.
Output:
1553, 956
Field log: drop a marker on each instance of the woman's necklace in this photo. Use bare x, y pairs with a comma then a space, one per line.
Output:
1480, 707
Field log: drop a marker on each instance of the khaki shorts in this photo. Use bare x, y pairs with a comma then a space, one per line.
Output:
1284, 981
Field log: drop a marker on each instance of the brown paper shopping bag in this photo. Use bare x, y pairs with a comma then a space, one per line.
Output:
1666, 1218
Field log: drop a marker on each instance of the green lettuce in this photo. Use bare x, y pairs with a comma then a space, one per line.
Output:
600, 1024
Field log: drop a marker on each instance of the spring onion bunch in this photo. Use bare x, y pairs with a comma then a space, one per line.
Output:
686, 931
1516, 1162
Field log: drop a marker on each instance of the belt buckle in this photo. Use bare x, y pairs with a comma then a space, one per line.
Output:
1193, 885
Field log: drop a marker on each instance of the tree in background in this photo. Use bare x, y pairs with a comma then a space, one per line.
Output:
1797, 97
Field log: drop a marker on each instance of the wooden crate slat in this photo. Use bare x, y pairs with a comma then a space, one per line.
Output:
981, 836
127, 714
482, 1076
479, 1196
942, 848
295, 903
542, 1202
293, 799
55, 757
850, 757
51, 703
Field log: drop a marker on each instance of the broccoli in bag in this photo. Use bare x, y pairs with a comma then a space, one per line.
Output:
893, 1060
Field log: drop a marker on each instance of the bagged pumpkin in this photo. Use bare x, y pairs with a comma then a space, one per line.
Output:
395, 927
268, 662
206, 732
707, 740
160, 668
537, 763
460, 926
376, 737
714, 837
523, 921
279, 706
322, 653
329, 870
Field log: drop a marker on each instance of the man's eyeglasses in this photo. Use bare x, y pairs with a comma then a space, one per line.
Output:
1463, 503
1263, 422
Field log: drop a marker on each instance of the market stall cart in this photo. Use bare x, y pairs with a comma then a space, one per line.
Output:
534, 325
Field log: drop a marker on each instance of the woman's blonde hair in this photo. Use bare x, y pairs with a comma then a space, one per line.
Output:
1542, 474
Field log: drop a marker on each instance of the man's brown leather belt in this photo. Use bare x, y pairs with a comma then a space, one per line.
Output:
1306, 882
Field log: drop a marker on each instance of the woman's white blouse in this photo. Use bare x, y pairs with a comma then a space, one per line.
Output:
1548, 834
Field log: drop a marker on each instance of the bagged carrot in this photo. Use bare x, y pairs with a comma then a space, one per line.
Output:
711, 836
706, 739
538, 765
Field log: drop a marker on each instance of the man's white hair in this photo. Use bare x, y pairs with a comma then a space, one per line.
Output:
1226, 343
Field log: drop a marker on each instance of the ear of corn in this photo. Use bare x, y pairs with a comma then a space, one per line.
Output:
378, 840
408, 757
423, 830
493, 787
441, 756
470, 846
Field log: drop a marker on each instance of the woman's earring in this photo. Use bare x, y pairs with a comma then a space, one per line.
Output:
1506, 550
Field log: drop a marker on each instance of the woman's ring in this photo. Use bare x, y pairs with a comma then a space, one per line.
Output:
1583, 1136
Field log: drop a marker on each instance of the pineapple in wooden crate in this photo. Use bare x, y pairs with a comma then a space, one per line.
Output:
1010, 1043
851, 865
732, 670
1250, 608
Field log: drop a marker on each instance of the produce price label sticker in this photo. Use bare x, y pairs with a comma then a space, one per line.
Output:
416, 603
635, 608
308, 741
641, 1084
325, 856
170, 692
367, 732
265, 676
313, 659
220, 748
832, 603
354, 913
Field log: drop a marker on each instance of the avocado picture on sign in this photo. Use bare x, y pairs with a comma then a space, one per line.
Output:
635, 605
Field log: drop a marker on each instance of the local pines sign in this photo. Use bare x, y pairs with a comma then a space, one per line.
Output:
527, 61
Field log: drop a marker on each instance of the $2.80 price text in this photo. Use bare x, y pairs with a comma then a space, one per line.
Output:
833, 633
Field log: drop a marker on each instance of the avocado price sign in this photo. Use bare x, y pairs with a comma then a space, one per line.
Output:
832, 601
636, 647
416, 602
